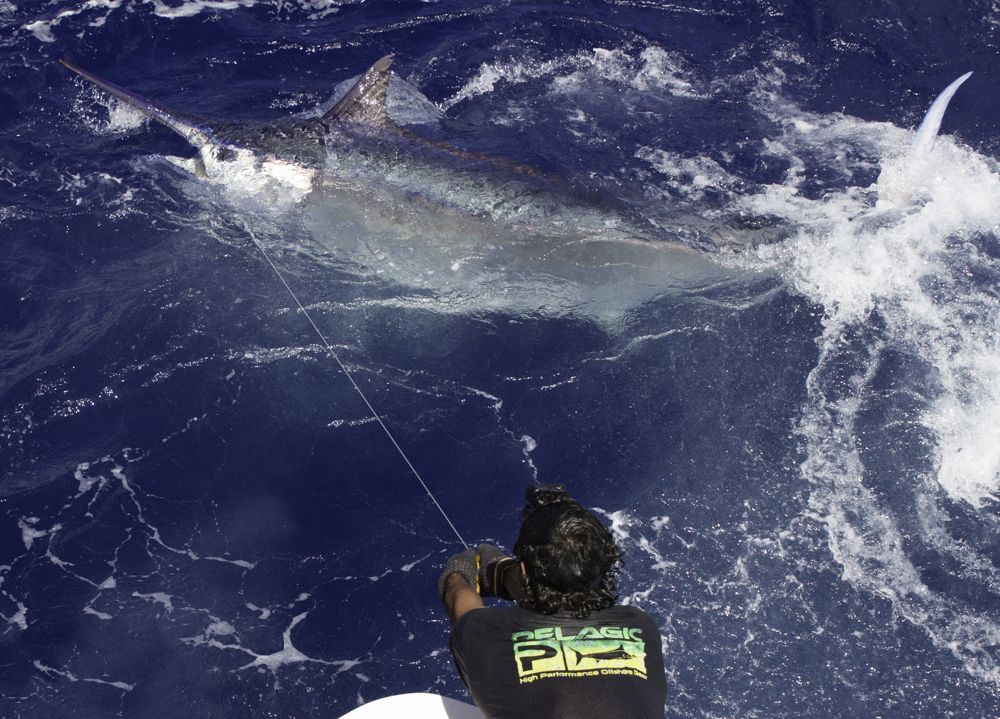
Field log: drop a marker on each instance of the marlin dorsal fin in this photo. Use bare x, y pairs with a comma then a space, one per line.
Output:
365, 102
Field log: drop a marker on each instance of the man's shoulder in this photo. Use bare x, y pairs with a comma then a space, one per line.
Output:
490, 622
495, 616
503, 617
622, 610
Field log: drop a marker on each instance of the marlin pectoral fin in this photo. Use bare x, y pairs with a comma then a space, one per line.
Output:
928, 130
186, 127
365, 102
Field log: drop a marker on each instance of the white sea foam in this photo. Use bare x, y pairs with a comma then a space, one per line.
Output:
98, 12
105, 115
28, 533
70, 676
858, 250
651, 69
42, 28
897, 266
319, 9
104, 616
692, 175
161, 598
19, 619
196, 7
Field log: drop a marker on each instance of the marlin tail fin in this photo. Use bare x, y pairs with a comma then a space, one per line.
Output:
928, 130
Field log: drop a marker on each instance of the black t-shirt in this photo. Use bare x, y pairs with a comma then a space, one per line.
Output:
520, 664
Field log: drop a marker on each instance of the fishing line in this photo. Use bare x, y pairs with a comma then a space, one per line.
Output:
354, 384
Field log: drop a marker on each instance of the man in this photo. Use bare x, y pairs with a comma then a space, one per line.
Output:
565, 651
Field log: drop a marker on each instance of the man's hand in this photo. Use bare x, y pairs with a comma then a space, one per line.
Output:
465, 563
493, 565
458, 584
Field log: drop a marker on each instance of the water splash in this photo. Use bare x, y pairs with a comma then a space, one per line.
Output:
906, 273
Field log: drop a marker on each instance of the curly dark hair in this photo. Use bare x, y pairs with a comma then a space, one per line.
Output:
571, 560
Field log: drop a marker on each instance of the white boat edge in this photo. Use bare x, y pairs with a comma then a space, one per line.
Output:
417, 705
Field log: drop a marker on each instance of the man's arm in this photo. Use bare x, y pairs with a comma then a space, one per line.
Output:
459, 597
458, 586
475, 573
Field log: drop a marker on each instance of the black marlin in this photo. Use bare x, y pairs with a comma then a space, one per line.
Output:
356, 144
357, 148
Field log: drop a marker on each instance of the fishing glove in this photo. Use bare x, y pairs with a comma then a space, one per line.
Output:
492, 564
465, 563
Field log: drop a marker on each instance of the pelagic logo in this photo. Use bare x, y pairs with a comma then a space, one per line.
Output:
592, 651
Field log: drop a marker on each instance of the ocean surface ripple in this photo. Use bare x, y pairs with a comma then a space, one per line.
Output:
758, 330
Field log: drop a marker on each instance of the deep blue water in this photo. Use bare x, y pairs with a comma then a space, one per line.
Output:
792, 428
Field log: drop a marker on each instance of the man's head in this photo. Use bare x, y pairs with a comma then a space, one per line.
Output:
570, 559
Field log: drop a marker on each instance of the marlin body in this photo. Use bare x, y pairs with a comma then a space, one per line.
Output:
356, 148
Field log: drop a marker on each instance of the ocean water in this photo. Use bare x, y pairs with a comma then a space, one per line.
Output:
784, 398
